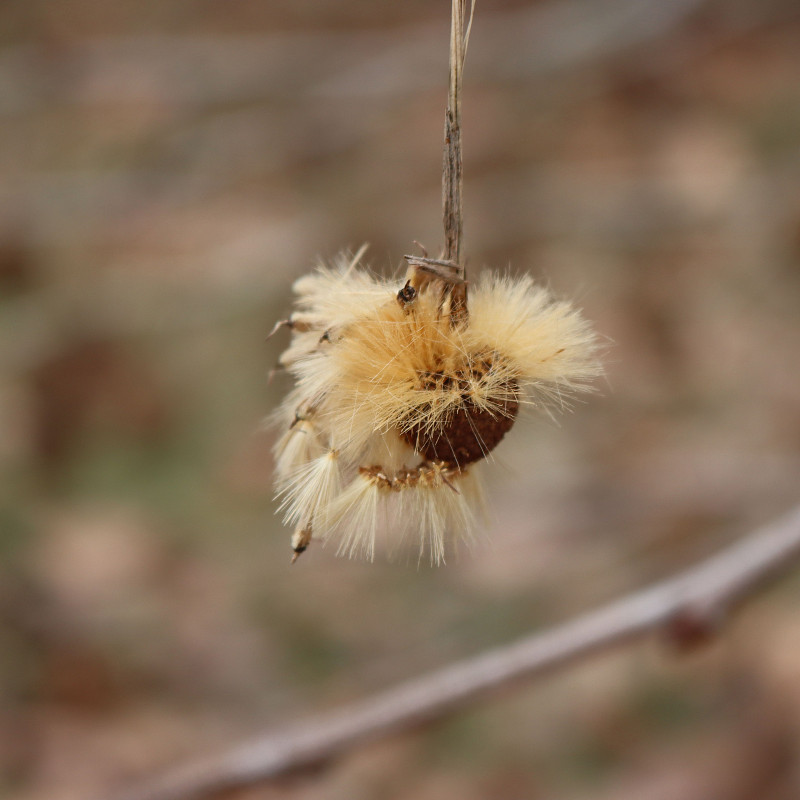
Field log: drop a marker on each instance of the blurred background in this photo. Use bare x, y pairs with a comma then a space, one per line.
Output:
168, 169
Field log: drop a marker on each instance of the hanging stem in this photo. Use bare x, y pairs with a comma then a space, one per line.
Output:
451, 163
448, 270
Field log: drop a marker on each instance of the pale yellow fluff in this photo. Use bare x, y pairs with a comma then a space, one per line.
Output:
332, 297
550, 347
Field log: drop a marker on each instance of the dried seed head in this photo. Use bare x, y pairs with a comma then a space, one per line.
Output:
401, 391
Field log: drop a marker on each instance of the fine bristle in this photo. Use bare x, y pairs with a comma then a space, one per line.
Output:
297, 447
546, 343
425, 507
354, 517
333, 297
309, 491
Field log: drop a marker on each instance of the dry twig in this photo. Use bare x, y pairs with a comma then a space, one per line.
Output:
687, 608
451, 161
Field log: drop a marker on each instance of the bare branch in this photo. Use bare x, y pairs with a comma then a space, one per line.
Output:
688, 607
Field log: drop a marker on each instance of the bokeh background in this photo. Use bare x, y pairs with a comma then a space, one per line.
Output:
169, 168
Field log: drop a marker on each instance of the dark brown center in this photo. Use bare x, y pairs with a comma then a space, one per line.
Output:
471, 431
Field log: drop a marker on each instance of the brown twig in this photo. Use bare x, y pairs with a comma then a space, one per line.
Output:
687, 608
451, 161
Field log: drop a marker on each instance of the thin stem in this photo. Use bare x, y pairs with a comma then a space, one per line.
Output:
451, 162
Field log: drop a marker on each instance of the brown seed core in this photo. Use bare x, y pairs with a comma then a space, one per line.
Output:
471, 432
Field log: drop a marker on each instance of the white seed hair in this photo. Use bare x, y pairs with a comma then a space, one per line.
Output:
309, 491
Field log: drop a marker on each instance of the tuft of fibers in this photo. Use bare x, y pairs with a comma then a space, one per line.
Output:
402, 388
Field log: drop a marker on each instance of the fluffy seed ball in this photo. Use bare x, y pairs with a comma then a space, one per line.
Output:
402, 391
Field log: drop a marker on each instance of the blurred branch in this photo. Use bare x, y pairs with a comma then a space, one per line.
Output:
687, 609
